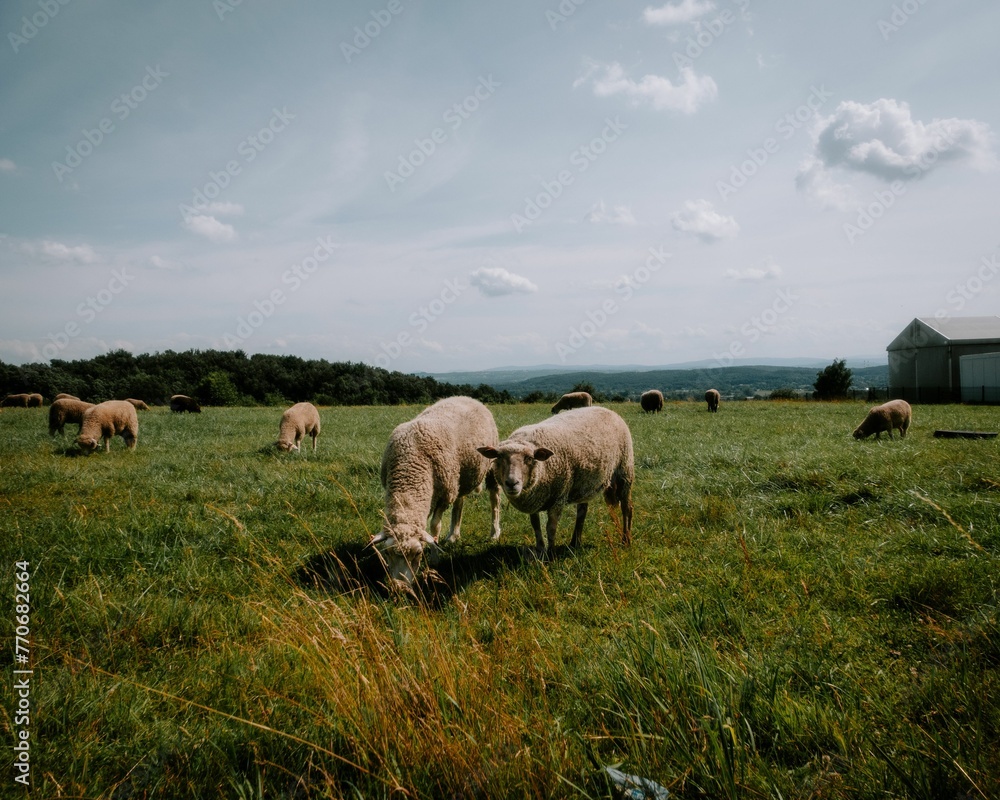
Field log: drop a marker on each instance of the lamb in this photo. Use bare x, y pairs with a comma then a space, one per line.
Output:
429, 463
15, 401
712, 398
139, 404
894, 414
567, 459
573, 400
105, 420
651, 400
181, 403
298, 421
66, 409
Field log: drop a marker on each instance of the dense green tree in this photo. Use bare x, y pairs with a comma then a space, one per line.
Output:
833, 382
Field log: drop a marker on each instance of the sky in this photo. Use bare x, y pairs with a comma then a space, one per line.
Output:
437, 186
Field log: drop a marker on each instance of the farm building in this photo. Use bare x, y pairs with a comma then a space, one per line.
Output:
926, 360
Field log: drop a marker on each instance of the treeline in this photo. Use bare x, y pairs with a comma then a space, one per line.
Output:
227, 378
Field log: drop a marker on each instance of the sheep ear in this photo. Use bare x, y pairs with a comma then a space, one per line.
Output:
489, 452
380, 538
543, 454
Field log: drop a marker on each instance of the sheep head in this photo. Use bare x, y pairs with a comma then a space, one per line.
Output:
402, 550
514, 464
87, 444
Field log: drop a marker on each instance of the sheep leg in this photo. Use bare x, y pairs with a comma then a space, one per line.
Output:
494, 489
581, 516
436, 521
536, 524
626, 504
551, 523
455, 532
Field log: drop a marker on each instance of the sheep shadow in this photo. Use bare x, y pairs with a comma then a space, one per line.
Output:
356, 568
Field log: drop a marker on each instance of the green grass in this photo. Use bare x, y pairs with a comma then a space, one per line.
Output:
800, 615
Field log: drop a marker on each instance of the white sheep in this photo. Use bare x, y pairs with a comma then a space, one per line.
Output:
567, 459
573, 400
66, 409
894, 414
106, 420
297, 422
712, 397
651, 400
429, 463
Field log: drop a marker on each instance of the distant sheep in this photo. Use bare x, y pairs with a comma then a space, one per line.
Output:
66, 409
64, 396
299, 421
105, 421
651, 400
35, 400
429, 463
15, 401
139, 404
573, 400
712, 398
566, 459
181, 403
894, 414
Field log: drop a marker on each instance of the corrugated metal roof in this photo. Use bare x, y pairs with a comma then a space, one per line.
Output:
959, 329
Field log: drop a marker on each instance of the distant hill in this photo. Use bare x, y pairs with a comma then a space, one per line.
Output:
735, 381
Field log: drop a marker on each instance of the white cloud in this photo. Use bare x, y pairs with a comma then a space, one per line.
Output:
700, 218
225, 209
496, 281
769, 271
677, 13
6, 165
661, 93
162, 263
818, 183
883, 139
82, 253
210, 228
618, 215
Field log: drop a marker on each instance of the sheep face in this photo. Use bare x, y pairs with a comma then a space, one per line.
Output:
287, 446
87, 444
402, 549
514, 465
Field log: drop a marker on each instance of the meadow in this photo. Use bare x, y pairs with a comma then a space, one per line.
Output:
800, 615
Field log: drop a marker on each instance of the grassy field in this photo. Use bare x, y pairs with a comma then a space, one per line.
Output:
800, 615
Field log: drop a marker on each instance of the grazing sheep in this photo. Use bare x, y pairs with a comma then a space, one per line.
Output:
35, 400
429, 463
106, 420
567, 459
64, 396
300, 420
139, 404
894, 414
712, 398
651, 400
66, 409
15, 401
181, 403
573, 400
